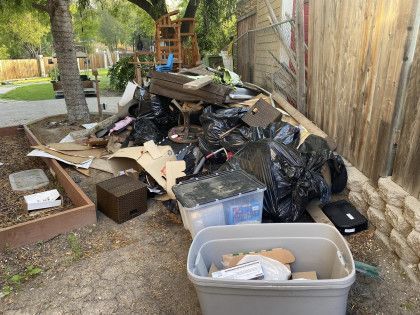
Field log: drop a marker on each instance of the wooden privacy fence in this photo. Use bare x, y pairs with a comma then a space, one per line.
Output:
12, 69
356, 53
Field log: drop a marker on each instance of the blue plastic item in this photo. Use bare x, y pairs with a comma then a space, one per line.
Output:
169, 64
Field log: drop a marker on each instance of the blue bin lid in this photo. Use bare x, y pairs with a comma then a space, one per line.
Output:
218, 186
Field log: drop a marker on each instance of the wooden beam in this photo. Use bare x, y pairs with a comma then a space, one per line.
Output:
300, 57
198, 83
301, 119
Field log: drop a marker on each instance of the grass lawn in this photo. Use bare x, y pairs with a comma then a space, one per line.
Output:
33, 92
44, 91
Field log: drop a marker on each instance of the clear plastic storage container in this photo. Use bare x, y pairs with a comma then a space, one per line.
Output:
316, 247
225, 198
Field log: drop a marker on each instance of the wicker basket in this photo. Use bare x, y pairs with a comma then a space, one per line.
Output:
121, 198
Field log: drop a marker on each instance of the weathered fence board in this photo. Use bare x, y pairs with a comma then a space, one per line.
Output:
406, 170
356, 51
17, 69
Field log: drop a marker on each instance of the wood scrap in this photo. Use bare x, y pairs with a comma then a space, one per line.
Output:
198, 83
301, 119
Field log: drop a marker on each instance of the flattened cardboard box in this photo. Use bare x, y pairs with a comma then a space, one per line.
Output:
280, 254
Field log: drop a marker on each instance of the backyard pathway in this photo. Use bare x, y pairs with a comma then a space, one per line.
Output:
21, 112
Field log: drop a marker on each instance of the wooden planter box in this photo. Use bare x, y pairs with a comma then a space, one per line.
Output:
45, 228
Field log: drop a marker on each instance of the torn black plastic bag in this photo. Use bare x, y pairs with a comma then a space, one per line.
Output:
338, 171
145, 130
292, 178
225, 128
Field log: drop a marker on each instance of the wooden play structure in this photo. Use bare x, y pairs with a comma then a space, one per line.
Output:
170, 38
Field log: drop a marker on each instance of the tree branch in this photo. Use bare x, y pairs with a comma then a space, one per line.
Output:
40, 7
145, 5
191, 8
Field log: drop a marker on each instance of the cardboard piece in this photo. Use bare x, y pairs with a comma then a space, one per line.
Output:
174, 170
62, 156
131, 153
42, 200
212, 269
68, 146
67, 138
83, 171
39, 153
280, 254
153, 149
155, 167
102, 165
91, 153
305, 275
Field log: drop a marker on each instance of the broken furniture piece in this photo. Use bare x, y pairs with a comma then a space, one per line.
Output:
187, 133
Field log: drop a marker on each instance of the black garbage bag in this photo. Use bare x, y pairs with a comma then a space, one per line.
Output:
292, 178
155, 120
338, 171
217, 124
282, 131
145, 130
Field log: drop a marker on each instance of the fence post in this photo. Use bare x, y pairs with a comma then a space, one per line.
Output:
41, 66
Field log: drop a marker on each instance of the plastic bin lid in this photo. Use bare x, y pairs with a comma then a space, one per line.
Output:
218, 186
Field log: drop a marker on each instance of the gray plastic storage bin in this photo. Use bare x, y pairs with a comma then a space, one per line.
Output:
231, 197
318, 247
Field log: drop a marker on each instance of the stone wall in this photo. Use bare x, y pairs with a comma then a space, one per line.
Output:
394, 214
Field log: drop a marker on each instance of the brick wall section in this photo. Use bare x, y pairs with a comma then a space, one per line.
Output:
394, 214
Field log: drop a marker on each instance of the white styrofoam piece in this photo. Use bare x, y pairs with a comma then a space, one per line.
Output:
128, 93
42, 200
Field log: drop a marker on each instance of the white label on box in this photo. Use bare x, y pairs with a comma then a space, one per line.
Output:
349, 230
248, 271
349, 216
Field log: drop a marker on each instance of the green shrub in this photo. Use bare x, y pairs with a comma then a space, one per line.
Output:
123, 71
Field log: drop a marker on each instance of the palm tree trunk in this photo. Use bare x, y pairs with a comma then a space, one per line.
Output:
63, 39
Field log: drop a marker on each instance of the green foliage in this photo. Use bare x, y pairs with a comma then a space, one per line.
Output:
15, 281
54, 73
75, 246
22, 32
121, 73
4, 52
86, 25
216, 25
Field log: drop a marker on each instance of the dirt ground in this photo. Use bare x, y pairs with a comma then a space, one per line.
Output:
139, 267
13, 151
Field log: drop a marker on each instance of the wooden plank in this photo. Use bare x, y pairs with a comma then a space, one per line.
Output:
301, 119
198, 83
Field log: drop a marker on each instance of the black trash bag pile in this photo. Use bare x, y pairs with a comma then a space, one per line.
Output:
154, 123
338, 171
216, 123
225, 128
292, 178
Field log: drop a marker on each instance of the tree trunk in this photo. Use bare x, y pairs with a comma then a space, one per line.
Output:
63, 39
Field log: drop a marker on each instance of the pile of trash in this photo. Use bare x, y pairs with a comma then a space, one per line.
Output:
188, 124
